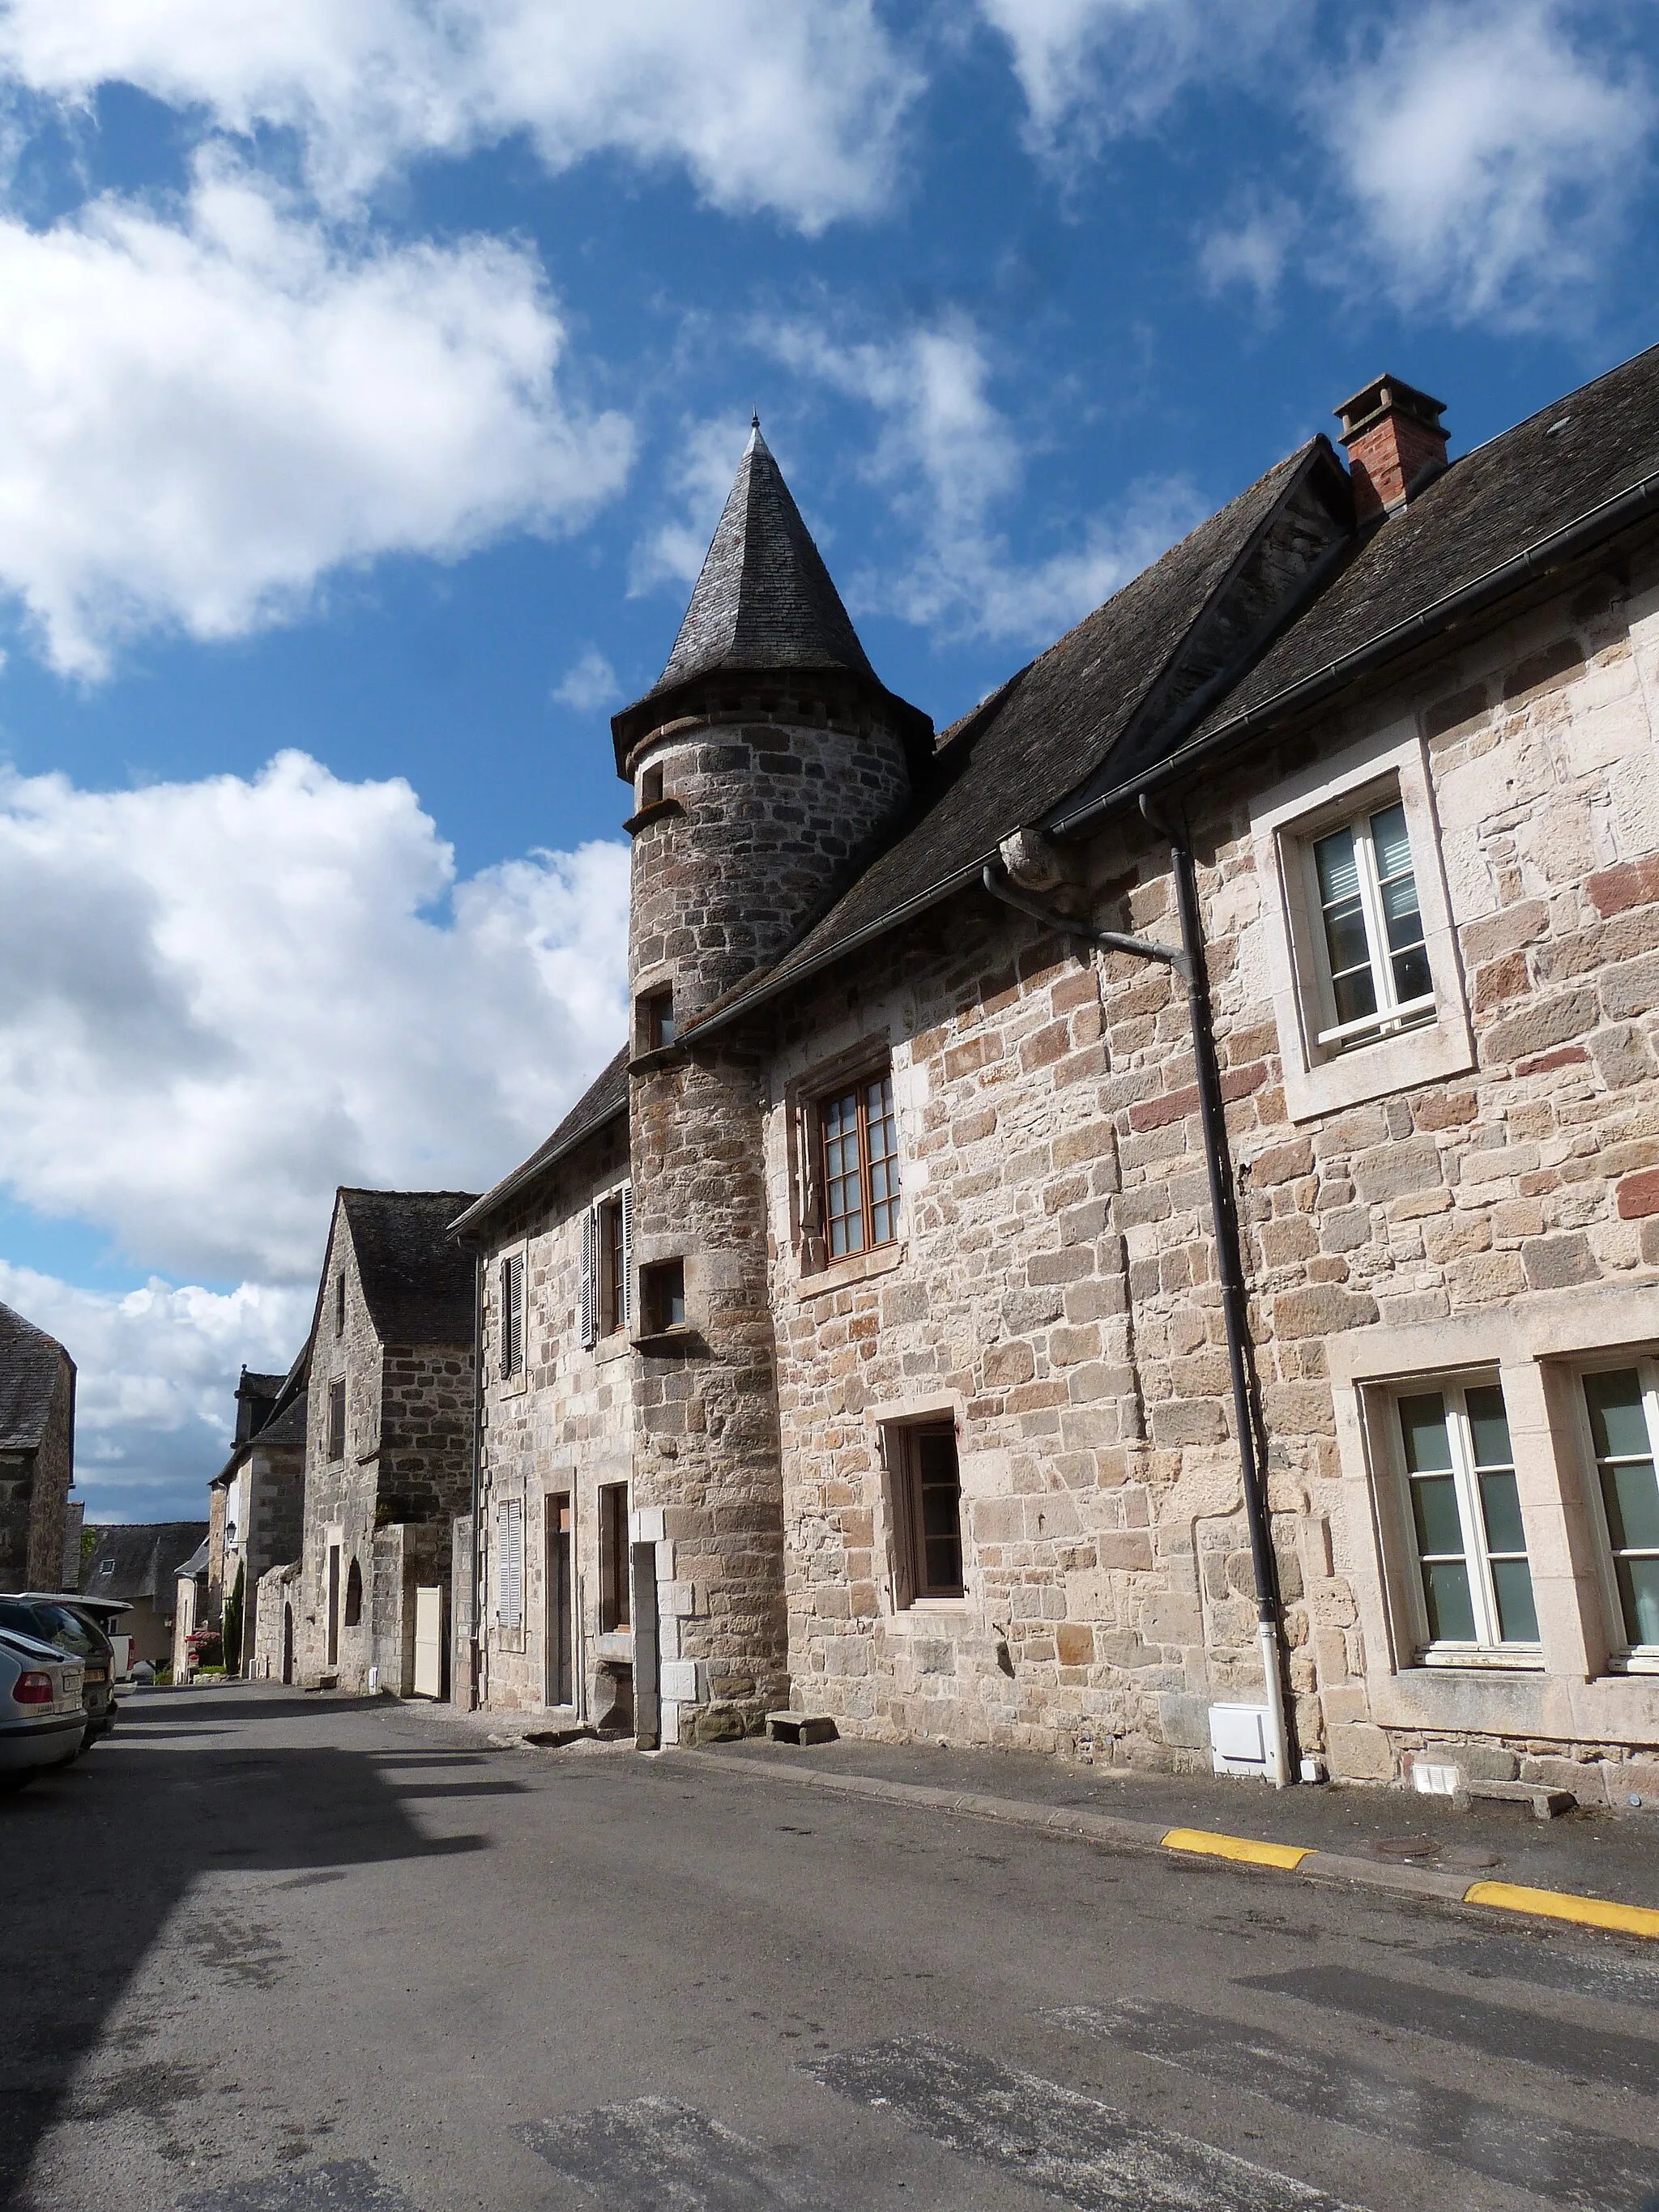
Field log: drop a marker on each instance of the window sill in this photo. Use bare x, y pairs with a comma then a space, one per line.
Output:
659, 810
662, 1055
1523, 1659
665, 1343
926, 1614
857, 1268
1634, 1662
1427, 1054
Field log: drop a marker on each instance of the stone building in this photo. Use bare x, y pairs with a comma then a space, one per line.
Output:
1139, 1217
388, 1439
257, 1500
36, 1455
139, 1562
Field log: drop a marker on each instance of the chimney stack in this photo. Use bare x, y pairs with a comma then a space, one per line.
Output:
1395, 444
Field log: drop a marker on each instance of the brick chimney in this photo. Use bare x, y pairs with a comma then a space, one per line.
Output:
1395, 444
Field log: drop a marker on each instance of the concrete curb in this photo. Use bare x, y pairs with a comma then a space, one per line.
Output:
1155, 1836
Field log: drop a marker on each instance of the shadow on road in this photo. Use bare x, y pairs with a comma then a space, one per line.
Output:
98, 1855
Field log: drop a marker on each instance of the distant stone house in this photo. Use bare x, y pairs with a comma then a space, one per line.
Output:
1139, 1217
257, 1500
36, 1455
139, 1562
389, 1429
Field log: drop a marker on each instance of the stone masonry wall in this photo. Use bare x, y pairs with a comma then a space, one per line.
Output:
340, 1491
564, 1426
1056, 1285
760, 821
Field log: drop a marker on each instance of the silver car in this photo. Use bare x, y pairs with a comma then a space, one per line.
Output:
42, 1720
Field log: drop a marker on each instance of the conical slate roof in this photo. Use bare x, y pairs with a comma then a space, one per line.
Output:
764, 599
764, 603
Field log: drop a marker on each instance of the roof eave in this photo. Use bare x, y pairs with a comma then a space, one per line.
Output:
465, 1226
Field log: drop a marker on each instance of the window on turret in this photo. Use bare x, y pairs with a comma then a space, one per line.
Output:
655, 1016
857, 1144
650, 787
663, 1294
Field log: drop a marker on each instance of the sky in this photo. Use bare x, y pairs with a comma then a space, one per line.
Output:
371, 375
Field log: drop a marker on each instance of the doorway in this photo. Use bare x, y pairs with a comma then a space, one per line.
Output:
333, 1605
560, 1688
288, 1642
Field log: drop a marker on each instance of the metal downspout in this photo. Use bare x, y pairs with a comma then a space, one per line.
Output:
1188, 962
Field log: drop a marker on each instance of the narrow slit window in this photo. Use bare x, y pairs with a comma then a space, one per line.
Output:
1375, 959
656, 1021
1475, 1576
1623, 1418
926, 1496
339, 1303
614, 1609
859, 1134
664, 1289
337, 1419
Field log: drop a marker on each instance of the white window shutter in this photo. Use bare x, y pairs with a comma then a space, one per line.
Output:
591, 1277
509, 1603
627, 1298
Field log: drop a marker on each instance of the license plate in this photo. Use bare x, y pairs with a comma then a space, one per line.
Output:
95, 1674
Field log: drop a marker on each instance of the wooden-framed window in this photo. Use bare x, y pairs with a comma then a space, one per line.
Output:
337, 1418
615, 1612
1621, 1406
858, 1165
924, 1486
607, 1289
511, 1315
662, 1294
1371, 942
1474, 1579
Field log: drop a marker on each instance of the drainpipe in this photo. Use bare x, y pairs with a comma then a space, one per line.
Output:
477, 1475
1188, 963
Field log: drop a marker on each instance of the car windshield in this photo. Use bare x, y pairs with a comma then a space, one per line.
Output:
49, 1624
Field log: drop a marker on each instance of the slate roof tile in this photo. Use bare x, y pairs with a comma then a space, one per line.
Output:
417, 1282
30, 1364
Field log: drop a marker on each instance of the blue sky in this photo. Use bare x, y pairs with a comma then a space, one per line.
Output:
372, 376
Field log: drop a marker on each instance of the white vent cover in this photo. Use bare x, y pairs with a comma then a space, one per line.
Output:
1239, 1738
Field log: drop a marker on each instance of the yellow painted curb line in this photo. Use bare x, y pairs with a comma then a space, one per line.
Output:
1289, 1856
1562, 1905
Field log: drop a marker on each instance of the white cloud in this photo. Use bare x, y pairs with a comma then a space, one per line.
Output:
589, 683
795, 109
199, 419
1092, 69
156, 1368
699, 477
947, 457
222, 998
1252, 251
1491, 154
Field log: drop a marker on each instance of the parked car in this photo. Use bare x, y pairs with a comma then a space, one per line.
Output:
52, 1618
43, 1720
104, 1613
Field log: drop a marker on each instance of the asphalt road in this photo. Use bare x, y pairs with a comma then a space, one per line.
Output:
269, 1953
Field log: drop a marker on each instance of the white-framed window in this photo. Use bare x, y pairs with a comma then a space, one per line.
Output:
1356, 920
1621, 1415
1373, 961
1473, 1589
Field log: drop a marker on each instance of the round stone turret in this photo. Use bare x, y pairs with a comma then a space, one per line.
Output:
766, 762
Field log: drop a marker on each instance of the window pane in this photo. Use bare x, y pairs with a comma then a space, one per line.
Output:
1500, 1504
1423, 1424
1345, 934
939, 1513
1616, 1417
1632, 1496
1517, 1616
1390, 843
1439, 1530
1339, 870
1446, 1591
1412, 978
1489, 1429
1639, 1593
1399, 910
1355, 995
